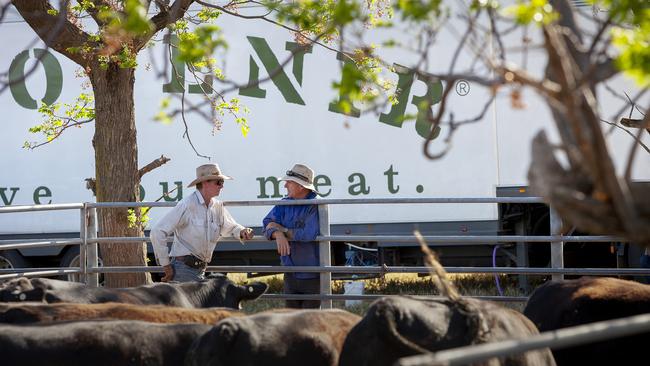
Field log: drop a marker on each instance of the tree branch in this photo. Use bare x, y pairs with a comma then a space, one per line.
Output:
151, 166
167, 15
94, 11
35, 13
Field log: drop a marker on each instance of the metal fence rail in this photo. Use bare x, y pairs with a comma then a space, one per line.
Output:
88, 241
89, 269
562, 338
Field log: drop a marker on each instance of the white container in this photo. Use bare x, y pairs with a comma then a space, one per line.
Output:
353, 288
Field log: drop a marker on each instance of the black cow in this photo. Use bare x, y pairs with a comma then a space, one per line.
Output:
561, 304
396, 327
97, 343
38, 312
296, 337
18, 289
217, 291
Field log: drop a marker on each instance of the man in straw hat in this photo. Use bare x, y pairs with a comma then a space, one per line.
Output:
295, 229
197, 222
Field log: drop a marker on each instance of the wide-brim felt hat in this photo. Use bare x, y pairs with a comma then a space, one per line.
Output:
301, 174
208, 172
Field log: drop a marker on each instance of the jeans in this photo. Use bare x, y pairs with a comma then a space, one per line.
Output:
293, 285
644, 262
185, 273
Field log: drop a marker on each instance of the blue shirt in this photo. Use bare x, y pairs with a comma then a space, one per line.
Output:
302, 220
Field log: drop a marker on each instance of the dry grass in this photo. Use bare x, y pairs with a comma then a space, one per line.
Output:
398, 284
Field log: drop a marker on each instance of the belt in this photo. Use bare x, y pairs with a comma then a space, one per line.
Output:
192, 261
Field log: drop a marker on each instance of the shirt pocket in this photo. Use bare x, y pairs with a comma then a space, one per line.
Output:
197, 227
215, 231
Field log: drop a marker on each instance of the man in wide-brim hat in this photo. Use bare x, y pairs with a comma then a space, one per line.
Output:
294, 229
197, 222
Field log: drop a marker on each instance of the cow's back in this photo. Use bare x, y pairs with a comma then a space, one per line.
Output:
24, 313
560, 304
399, 327
297, 337
97, 343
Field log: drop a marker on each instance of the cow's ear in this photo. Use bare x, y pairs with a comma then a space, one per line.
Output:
226, 332
253, 290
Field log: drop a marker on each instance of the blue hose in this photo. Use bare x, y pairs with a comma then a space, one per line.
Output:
494, 265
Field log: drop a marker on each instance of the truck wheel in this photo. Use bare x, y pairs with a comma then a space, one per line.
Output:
71, 259
12, 259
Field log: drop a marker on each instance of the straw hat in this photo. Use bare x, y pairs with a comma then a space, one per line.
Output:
301, 174
208, 172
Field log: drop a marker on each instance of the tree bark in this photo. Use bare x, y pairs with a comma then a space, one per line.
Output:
116, 170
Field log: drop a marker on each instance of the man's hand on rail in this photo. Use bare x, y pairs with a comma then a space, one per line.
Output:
246, 234
169, 273
283, 244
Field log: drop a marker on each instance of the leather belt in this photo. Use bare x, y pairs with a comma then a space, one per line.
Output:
192, 261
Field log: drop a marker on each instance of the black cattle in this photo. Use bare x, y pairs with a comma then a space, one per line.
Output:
217, 291
297, 337
561, 304
97, 343
25, 313
398, 327
18, 289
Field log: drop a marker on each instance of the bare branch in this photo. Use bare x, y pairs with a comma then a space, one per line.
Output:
435, 122
266, 19
151, 166
636, 138
187, 129
600, 33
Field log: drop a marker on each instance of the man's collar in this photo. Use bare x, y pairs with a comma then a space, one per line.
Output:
199, 197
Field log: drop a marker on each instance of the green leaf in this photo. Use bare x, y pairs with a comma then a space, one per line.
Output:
526, 12
197, 46
634, 52
136, 21
419, 10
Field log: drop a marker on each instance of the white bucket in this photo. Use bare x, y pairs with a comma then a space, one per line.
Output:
353, 288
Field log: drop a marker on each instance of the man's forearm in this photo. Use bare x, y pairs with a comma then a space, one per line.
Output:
159, 245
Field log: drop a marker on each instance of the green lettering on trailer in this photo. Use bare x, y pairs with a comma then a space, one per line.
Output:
322, 181
395, 117
360, 187
176, 82
275, 185
253, 90
178, 189
390, 173
298, 58
53, 78
274, 69
424, 103
177, 73
334, 106
7, 202
41, 192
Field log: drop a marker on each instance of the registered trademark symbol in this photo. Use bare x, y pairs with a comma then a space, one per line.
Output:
462, 87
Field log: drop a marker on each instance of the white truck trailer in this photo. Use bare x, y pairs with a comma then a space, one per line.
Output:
371, 155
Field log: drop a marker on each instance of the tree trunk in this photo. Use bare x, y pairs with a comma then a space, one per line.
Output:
116, 170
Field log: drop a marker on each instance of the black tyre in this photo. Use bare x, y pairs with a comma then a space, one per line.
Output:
12, 259
71, 259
